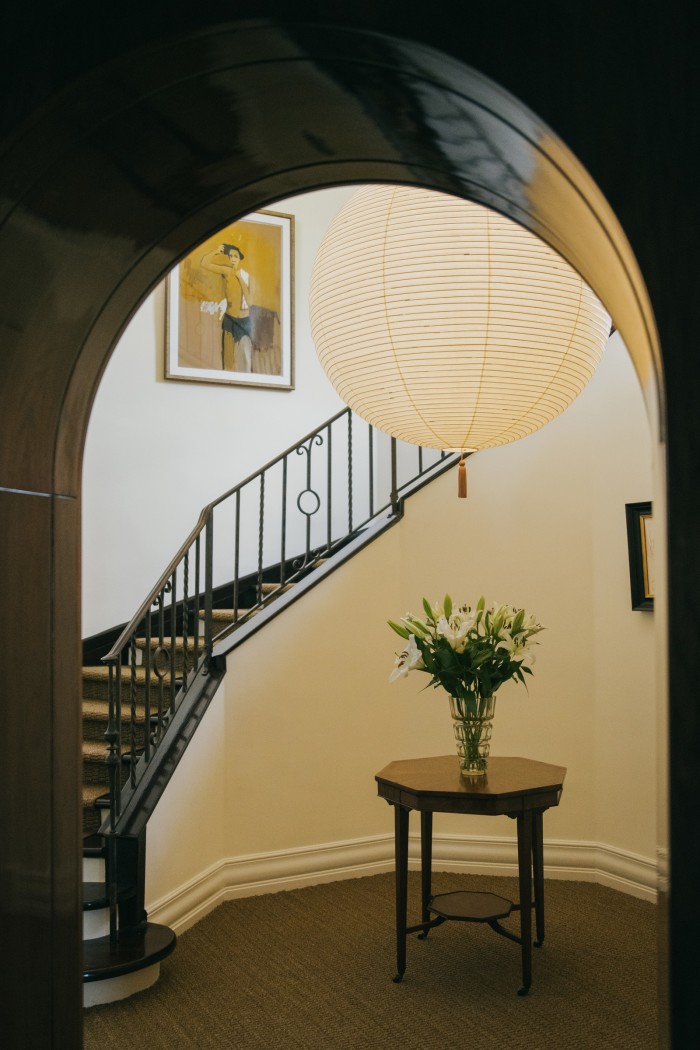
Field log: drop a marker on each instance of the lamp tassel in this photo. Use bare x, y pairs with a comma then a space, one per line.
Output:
462, 479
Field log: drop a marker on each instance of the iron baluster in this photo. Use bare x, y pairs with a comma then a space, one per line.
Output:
283, 548
173, 641
370, 471
157, 667
195, 618
185, 616
394, 486
148, 671
420, 459
329, 489
132, 708
349, 473
236, 557
112, 737
208, 584
261, 530
308, 500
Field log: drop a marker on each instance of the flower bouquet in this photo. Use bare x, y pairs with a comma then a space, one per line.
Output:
470, 653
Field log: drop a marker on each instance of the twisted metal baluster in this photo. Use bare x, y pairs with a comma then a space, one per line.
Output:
173, 639
132, 696
156, 657
148, 668
112, 737
197, 597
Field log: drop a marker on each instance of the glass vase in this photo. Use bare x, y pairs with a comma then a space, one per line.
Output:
472, 721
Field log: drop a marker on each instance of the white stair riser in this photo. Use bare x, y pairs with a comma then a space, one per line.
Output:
115, 988
93, 869
95, 924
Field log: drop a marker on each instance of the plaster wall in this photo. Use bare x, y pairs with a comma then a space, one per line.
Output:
158, 450
306, 716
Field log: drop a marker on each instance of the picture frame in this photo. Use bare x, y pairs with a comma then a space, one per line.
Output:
213, 333
640, 544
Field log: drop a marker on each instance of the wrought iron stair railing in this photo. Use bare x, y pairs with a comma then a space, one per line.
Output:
269, 533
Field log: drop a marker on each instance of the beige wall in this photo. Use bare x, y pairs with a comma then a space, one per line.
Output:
286, 757
308, 716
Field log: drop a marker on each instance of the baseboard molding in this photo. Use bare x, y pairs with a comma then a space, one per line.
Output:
274, 872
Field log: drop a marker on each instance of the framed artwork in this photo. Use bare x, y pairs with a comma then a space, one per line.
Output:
230, 306
640, 543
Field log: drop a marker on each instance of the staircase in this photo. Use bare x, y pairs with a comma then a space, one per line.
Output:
142, 701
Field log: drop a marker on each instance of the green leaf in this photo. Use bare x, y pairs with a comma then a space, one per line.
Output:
428, 611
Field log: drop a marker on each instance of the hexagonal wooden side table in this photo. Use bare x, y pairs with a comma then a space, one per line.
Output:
519, 788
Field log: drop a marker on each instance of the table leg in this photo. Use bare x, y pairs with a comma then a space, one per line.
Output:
426, 866
525, 885
401, 854
538, 873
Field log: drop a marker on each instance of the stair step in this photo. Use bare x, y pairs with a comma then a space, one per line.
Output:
91, 792
221, 619
95, 896
227, 614
95, 718
133, 950
167, 642
274, 587
180, 650
96, 682
92, 818
94, 847
94, 751
114, 970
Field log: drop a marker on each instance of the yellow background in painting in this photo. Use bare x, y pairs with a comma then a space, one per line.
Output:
261, 245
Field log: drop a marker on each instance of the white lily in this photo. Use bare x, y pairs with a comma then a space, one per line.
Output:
518, 649
408, 660
456, 629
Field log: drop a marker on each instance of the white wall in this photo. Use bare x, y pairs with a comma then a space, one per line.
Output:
286, 758
158, 450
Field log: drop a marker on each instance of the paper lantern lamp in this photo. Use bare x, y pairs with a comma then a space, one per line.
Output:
445, 324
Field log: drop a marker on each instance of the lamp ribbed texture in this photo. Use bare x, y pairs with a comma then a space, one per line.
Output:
446, 324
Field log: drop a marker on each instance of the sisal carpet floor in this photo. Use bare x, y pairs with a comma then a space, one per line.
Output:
312, 968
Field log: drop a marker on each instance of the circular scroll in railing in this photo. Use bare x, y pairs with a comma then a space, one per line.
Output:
161, 661
308, 502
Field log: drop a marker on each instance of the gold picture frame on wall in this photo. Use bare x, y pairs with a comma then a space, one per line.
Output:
230, 306
640, 545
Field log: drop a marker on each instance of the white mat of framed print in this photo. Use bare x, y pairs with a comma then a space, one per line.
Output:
230, 306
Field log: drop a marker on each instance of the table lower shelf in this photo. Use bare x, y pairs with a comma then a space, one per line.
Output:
470, 906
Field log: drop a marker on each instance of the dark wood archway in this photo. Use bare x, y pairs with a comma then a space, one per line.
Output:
107, 183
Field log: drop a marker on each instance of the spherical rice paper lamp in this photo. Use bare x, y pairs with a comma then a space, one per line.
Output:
445, 324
